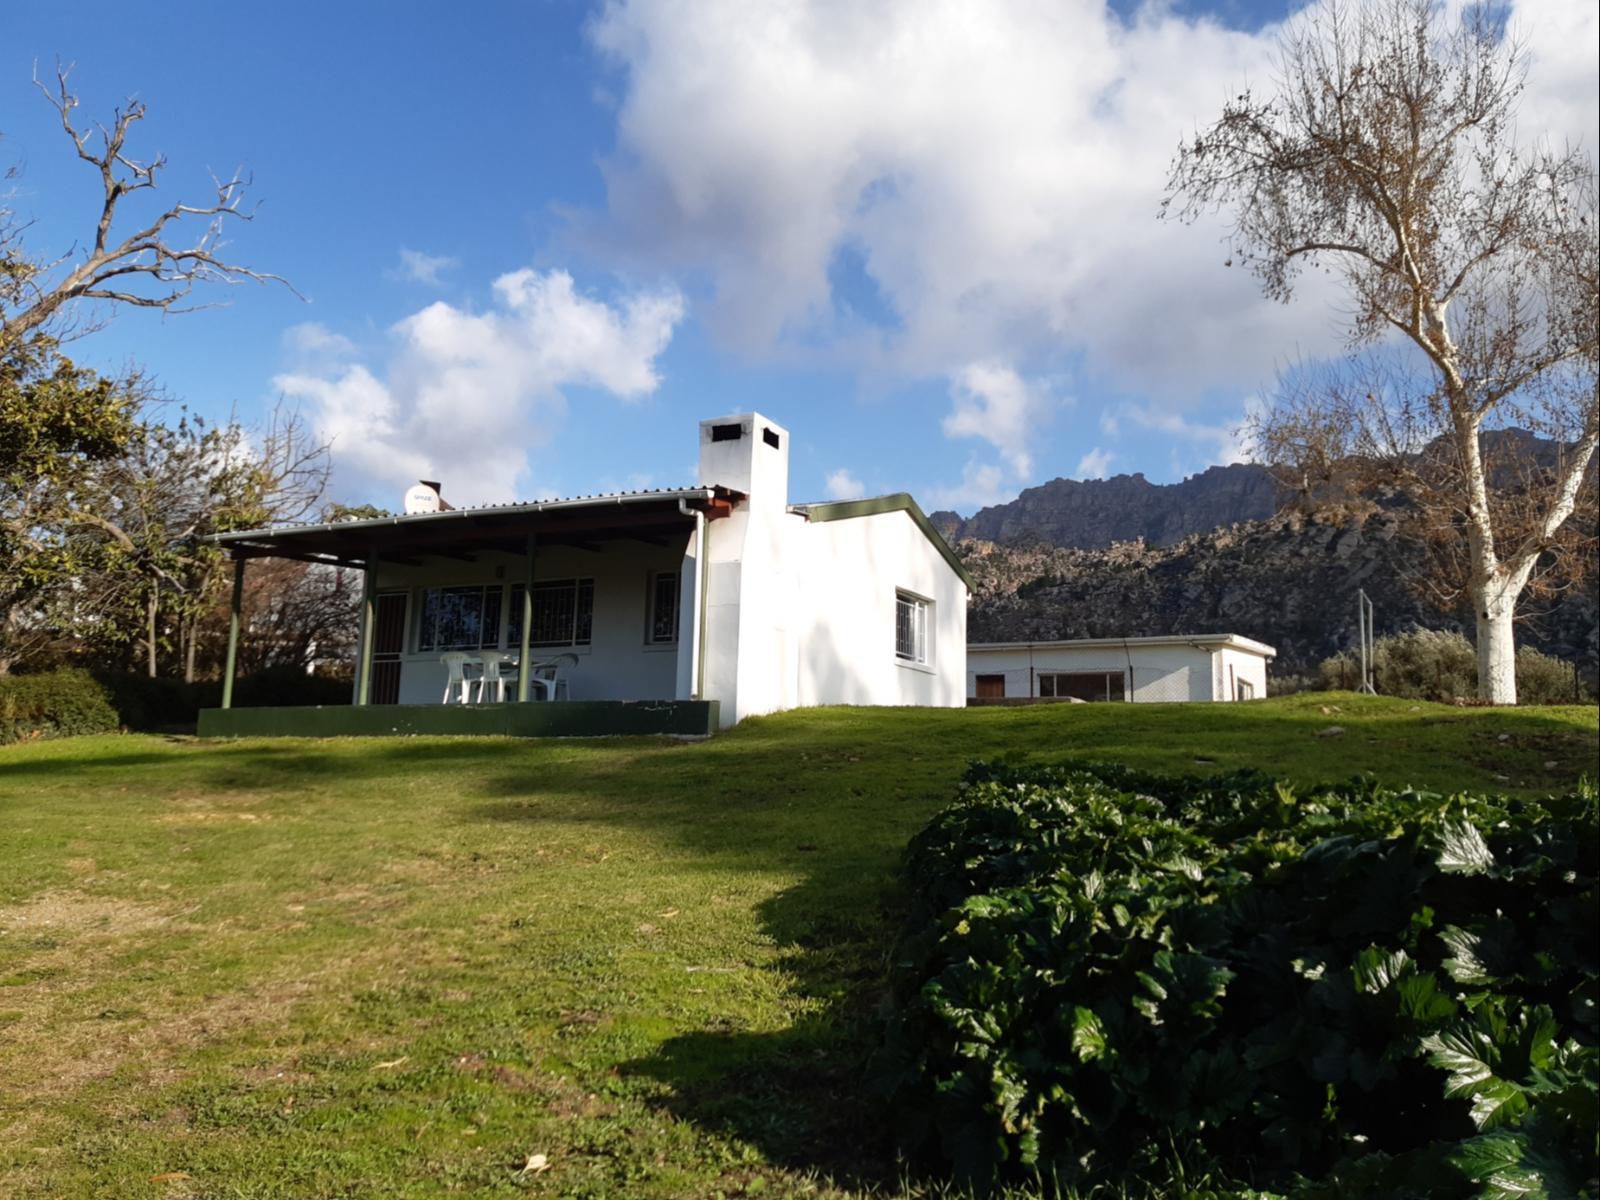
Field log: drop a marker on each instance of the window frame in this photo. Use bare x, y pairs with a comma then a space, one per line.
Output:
427, 641
580, 586
1107, 675
1244, 689
921, 656
652, 594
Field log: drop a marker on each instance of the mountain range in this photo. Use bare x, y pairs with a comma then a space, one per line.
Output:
1124, 557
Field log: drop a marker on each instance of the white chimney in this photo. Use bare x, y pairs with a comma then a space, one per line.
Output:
749, 454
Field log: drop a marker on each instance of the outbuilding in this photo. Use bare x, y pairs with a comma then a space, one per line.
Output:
1176, 667
679, 610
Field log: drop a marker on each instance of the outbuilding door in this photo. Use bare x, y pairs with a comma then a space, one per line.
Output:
388, 642
991, 687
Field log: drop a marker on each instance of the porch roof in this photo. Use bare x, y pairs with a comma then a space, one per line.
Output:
459, 532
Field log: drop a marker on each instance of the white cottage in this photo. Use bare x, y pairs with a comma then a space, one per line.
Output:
1221, 666
669, 611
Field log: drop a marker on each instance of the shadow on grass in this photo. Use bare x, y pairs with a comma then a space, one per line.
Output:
805, 1096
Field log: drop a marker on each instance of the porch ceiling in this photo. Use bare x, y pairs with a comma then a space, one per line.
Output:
466, 533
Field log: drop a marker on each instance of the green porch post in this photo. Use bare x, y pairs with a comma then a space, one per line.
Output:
369, 614
233, 633
525, 650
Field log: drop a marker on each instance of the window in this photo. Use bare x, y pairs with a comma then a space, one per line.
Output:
661, 601
1083, 685
563, 613
1244, 690
910, 628
460, 618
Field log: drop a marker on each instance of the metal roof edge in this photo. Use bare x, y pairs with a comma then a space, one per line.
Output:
1200, 641
535, 506
872, 506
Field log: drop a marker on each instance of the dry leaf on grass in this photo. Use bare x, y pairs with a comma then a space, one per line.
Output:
535, 1164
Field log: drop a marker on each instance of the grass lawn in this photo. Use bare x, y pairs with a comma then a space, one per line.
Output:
397, 968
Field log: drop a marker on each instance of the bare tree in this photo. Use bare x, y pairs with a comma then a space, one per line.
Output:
155, 265
1389, 157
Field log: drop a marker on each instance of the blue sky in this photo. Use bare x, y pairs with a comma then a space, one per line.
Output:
538, 241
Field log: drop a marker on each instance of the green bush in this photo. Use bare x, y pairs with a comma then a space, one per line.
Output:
1352, 993
162, 703
53, 704
1435, 664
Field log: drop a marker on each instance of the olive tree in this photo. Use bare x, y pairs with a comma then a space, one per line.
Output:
1388, 155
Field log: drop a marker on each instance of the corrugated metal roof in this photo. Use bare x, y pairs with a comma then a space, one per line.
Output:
596, 500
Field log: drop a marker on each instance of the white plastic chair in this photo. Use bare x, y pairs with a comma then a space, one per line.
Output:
456, 680
546, 675
493, 676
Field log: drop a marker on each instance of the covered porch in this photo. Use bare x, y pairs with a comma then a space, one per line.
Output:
593, 607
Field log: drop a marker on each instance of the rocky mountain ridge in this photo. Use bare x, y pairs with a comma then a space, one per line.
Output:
1097, 513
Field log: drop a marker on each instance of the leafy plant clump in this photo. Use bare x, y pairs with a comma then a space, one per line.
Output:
1114, 977
53, 704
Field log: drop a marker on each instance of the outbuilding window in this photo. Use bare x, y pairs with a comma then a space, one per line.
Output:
911, 628
1083, 685
1244, 690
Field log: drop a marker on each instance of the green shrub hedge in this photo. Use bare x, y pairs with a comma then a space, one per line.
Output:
1113, 977
1436, 664
146, 703
53, 704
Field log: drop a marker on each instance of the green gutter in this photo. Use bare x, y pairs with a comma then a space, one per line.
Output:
843, 510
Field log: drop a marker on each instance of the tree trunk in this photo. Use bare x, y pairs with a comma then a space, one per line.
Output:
1497, 653
188, 652
150, 633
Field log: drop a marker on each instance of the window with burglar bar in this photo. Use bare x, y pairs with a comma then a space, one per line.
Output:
662, 627
911, 628
459, 618
563, 614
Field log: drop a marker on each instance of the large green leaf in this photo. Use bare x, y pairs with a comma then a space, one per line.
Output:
1462, 850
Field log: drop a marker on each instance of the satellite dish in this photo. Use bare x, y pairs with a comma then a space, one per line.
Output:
423, 498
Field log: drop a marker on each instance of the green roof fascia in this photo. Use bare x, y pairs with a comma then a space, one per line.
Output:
843, 510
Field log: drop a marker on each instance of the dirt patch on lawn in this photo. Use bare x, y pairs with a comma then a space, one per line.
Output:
64, 913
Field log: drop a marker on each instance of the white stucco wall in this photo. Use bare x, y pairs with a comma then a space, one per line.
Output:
845, 625
1165, 673
618, 664
1239, 664
801, 612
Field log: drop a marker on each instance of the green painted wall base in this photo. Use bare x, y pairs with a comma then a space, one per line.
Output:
562, 718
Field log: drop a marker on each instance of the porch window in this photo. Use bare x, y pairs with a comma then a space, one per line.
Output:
910, 628
459, 618
563, 613
662, 601
1083, 685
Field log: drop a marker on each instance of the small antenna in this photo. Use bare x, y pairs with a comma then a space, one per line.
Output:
1364, 622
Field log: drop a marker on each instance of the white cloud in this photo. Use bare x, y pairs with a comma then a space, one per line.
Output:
996, 170
990, 400
841, 485
417, 267
1093, 464
1108, 423
462, 394
981, 484
1220, 444
313, 340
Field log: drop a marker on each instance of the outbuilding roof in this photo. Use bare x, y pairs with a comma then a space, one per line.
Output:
1199, 641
